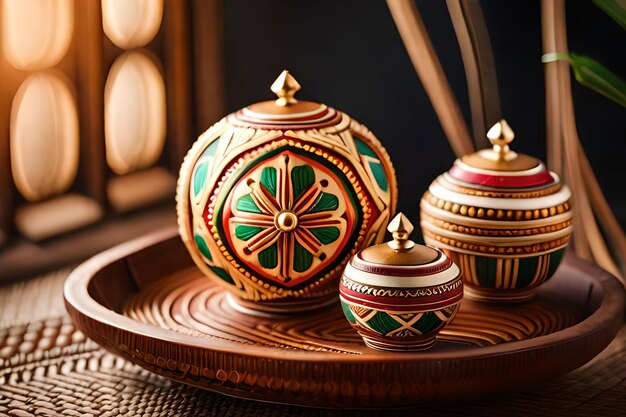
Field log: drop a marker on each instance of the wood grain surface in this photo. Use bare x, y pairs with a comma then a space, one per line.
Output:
313, 359
79, 378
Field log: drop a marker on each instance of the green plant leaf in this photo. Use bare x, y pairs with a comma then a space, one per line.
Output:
593, 75
614, 8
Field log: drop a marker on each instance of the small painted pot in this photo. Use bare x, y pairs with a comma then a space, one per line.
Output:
502, 217
399, 295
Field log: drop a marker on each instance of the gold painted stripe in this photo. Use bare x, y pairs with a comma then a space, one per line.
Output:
493, 224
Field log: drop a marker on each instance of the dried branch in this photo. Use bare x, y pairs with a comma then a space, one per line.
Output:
480, 70
428, 68
566, 154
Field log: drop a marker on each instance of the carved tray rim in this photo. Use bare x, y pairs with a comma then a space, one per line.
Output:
605, 321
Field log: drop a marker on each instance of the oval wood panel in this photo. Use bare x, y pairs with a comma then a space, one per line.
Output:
131, 23
36, 34
44, 136
134, 113
147, 302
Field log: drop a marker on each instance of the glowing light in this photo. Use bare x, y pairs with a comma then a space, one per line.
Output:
44, 136
134, 113
131, 23
36, 34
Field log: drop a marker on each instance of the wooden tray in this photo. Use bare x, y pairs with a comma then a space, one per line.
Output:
146, 301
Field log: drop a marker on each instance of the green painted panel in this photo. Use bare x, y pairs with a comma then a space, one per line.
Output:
302, 177
555, 260
486, 271
222, 274
203, 247
376, 166
302, 258
268, 179
526, 271
245, 232
203, 168
326, 235
247, 204
325, 202
199, 177
382, 323
380, 175
364, 149
268, 258
346, 311
427, 323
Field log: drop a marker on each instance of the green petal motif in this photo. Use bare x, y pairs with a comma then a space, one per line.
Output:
326, 235
202, 169
268, 179
202, 247
302, 177
246, 203
325, 202
222, 274
302, 258
268, 258
245, 232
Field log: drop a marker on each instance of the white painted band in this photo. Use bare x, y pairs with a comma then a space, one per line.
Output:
392, 281
539, 168
501, 203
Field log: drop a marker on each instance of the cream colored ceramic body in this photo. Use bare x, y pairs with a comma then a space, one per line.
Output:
506, 223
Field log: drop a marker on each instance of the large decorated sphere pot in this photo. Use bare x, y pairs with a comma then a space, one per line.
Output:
274, 199
502, 217
399, 295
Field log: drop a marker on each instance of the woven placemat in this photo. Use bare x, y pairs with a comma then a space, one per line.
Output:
47, 367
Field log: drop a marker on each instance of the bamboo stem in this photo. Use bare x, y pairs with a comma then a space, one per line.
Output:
607, 219
480, 70
553, 118
428, 68
561, 130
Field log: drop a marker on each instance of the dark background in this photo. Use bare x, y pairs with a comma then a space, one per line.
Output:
349, 55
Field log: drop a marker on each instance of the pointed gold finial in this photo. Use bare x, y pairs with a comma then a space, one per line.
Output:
500, 135
285, 88
400, 228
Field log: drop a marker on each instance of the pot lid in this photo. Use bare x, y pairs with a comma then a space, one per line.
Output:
401, 250
286, 112
501, 167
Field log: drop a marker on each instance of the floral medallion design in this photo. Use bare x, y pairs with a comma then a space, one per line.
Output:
289, 218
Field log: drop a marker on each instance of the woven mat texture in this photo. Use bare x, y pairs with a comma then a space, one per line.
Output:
49, 368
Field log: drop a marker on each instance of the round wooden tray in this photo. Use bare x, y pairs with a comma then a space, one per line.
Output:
146, 301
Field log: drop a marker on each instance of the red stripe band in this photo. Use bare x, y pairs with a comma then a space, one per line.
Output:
502, 181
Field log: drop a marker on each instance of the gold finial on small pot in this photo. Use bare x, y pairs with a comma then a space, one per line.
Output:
500, 135
400, 228
285, 87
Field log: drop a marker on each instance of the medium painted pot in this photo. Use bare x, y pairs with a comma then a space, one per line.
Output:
502, 217
274, 199
399, 295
